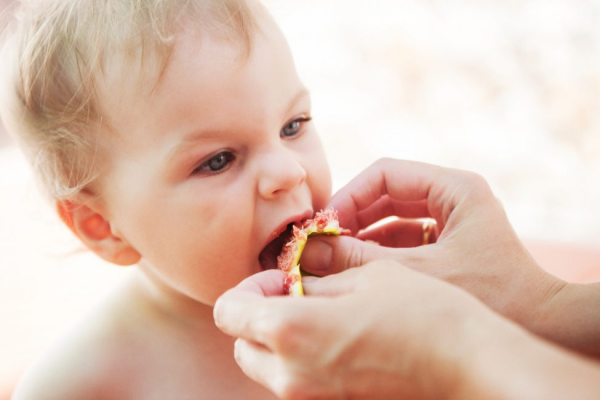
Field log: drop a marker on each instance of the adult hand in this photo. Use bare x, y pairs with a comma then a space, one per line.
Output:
385, 331
476, 249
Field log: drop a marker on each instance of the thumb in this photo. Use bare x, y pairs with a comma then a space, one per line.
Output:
332, 285
325, 255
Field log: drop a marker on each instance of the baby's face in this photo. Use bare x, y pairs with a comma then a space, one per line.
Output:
213, 162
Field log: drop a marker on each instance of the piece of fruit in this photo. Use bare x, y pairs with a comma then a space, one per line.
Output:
324, 223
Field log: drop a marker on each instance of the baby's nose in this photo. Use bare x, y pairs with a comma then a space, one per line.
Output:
281, 173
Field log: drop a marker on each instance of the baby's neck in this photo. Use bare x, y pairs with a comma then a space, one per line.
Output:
176, 340
171, 306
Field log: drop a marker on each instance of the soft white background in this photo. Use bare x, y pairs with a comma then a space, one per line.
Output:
507, 88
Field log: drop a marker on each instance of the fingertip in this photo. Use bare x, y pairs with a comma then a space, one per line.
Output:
233, 305
220, 313
256, 361
317, 257
265, 283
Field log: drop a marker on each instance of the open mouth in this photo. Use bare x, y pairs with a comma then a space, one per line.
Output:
268, 256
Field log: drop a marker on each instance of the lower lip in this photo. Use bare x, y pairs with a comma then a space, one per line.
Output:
274, 248
308, 214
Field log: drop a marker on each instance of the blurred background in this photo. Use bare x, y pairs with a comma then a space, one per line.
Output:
507, 88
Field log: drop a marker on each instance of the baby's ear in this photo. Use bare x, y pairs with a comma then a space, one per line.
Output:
94, 230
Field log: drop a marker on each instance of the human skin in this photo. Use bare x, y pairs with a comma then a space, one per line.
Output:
384, 331
199, 172
477, 249
195, 229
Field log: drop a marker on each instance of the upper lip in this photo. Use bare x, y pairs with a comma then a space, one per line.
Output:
283, 226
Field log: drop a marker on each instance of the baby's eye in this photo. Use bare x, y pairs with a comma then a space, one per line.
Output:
293, 128
215, 164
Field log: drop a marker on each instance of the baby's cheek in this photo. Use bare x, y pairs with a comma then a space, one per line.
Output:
319, 180
322, 195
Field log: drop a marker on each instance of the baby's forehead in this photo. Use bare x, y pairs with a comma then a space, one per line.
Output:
132, 91
128, 82
195, 52
74, 58
139, 64
208, 84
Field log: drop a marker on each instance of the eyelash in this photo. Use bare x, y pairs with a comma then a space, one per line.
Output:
300, 121
205, 167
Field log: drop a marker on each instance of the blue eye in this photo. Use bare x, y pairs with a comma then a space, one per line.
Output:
216, 164
293, 128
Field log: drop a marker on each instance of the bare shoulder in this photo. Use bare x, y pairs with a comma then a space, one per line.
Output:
79, 366
87, 362
130, 349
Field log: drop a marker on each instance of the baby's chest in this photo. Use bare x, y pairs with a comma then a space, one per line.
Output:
183, 376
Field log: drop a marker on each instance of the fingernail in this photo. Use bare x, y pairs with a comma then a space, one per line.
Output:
317, 256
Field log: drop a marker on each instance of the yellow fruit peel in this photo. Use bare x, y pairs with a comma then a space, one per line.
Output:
324, 223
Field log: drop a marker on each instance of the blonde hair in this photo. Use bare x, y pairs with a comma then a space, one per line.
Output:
58, 49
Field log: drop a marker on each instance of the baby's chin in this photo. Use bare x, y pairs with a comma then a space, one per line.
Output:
211, 298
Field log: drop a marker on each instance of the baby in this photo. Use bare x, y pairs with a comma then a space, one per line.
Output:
174, 136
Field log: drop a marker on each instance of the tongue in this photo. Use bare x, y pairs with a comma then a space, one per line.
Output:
268, 257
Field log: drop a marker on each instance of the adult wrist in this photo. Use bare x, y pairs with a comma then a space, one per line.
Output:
534, 291
501, 360
569, 317
508, 362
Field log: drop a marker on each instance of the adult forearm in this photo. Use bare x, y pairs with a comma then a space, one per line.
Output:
509, 363
571, 318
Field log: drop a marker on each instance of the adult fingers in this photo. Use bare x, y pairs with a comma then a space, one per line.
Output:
285, 376
401, 180
402, 233
266, 283
256, 361
277, 322
372, 275
332, 285
387, 207
242, 311
325, 255
408, 181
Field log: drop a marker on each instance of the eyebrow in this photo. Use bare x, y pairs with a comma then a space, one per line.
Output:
202, 135
299, 96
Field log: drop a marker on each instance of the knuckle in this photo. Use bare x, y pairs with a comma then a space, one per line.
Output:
291, 391
355, 257
477, 185
380, 267
500, 204
286, 385
476, 180
419, 259
294, 390
383, 161
288, 335
269, 327
389, 207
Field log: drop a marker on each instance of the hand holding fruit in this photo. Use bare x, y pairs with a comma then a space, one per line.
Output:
476, 249
359, 334
384, 331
